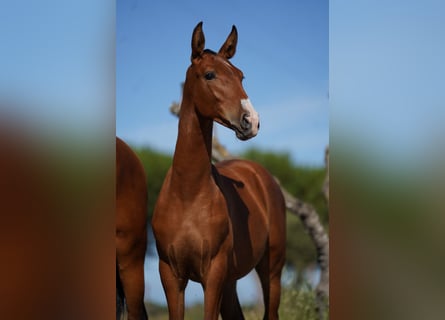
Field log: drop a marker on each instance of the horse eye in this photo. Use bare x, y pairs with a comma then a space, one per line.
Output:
210, 75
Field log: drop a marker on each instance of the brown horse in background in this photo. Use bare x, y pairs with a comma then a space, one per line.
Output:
131, 232
215, 223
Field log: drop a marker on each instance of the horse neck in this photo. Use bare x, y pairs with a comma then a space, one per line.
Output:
192, 167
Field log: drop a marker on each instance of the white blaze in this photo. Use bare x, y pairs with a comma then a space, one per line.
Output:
252, 117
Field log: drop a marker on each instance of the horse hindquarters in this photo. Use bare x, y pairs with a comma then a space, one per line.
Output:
131, 276
131, 233
130, 256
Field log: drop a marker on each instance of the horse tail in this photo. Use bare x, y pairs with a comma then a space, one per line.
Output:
120, 296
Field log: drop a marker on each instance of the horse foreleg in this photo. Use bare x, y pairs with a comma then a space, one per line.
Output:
174, 291
230, 306
213, 287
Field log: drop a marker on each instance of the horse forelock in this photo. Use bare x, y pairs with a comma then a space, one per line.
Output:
209, 51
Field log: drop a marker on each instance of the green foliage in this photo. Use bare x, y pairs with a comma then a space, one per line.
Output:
295, 305
303, 182
298, 305
300, 250
156, 165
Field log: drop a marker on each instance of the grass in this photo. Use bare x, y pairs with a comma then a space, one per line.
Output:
295, 305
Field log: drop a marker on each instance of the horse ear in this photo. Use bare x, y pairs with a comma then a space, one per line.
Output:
198, 41
228, 49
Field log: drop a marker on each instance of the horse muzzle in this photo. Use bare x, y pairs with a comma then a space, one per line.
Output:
249, 124
247, 127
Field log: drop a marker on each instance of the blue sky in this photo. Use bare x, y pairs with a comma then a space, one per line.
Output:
387, 80
385, 68
282, 50
57, 56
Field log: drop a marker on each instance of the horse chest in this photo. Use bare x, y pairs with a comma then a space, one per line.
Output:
194, 245
190, 227
190, 235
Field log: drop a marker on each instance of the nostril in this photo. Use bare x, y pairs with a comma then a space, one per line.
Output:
245, 123
258, 126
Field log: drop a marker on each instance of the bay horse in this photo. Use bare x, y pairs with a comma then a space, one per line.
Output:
214, 223
131, 232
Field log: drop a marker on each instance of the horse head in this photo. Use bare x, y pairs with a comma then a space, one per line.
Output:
216, 86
